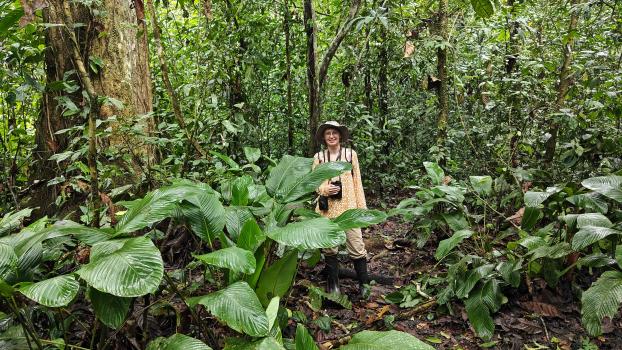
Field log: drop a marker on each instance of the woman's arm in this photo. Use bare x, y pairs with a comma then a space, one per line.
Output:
359, 194
323, 189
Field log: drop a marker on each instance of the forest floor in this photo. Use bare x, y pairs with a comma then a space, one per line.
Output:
537, 317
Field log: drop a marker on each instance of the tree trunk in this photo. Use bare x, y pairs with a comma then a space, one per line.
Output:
288, 72
383, 86
312, 78
124, 76
564, 81
315, 78
167, 82
511, 65
443, 108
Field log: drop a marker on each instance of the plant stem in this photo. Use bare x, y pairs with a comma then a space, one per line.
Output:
210, 335
26, 324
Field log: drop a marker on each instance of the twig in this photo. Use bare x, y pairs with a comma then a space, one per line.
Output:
337, 342
546, 332
419, 309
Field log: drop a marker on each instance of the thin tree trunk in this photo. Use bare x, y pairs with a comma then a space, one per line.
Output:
383, 86
315, 79
564, 81
288, 72
167, 82
511, 66
355, 6
443, 107
312, 78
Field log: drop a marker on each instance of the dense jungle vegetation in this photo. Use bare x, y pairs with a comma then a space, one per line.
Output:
157, 189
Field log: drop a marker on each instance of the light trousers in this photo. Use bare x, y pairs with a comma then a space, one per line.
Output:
354, 245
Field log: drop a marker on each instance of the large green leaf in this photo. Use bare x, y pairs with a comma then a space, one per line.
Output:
309, 234
287, 172
481, 184
471, 278
156, 206
205, 214
531, 216
12, 221
591, 234
109, 309
53, 292
357, 218
310, 181
593, 219
601, 300
609, 186
86, 235
268, 343
276, 280
389, 340
435, 172
238, 307
456, 221
235, 218
251, 236
232, 258
447, 245
304, 341
534, 199
592, 201
478, 308
554, 251
240, 190
177, 342
252, 154
8, 260
483, 8
125, 268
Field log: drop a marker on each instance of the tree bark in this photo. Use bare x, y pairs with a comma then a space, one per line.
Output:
383, 83
315, 78
312, 77
288, 72
443, 107
124, 76
355, 6
511, 65
564, 81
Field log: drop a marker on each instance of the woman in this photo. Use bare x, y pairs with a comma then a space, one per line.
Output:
341, 193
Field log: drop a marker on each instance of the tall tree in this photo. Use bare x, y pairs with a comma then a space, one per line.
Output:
316, 78
441, 64
564, 79
113, 45
287, 18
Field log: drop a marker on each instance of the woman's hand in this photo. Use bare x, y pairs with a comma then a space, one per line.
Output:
332, 190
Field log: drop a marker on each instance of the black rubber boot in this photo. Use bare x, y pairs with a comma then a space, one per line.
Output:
360, 266
332, 274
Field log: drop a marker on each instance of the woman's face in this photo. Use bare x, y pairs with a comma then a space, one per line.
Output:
332, 137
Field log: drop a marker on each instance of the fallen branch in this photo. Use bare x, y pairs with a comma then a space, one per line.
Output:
417, 310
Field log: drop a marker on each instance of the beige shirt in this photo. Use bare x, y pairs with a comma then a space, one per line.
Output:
351, 186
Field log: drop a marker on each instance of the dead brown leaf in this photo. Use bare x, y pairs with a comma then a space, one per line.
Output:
409, 49
517, 217
543, 309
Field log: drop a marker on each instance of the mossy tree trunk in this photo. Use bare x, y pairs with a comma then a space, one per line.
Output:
112, 39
